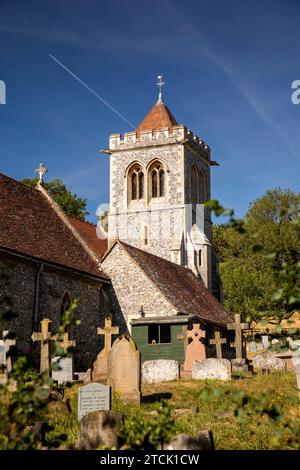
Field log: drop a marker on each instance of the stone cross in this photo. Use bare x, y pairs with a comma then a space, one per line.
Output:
65, 344
44, 337
41, 170
8, 343
218, 341
194, 349
238, 327
108, 331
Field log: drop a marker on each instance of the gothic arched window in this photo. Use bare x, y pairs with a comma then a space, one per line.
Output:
201, 188
197, 186
157, 181
194, 186
136, 183
65, 303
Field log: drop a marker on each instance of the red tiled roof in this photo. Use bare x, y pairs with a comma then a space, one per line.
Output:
158, 117
180, 286
88, 233
29, 225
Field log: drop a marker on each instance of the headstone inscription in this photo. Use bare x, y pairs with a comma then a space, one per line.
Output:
93, 397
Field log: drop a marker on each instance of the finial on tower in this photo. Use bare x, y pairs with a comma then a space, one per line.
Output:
160, 84
41, 170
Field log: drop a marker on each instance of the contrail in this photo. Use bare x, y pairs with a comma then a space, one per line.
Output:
92, 91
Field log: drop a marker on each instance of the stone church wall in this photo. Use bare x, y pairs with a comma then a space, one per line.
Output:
133, 288
20, 287
163, 218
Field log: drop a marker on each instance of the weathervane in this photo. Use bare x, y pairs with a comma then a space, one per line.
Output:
41, 170
160, 84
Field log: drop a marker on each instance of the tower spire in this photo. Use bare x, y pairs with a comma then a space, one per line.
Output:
160, 84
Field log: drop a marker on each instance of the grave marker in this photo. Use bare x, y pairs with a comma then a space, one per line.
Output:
7, 344
218, 341
124, 369
45, 337
100, 364
93, 397
238, 327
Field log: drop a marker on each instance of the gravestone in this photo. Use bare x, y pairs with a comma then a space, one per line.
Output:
268, 363
259, 347
239, 365
124, 369
252, 347
66, 370
218, 341
45, 337
100, 364
160, 370
1, 351
238, 328
99, 428
194, 347
65, 365
7, 344
265, 341
93, 397
296, 364
212, 369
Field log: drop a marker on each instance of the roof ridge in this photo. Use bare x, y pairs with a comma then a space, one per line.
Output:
81, 220
158, 257
18, 182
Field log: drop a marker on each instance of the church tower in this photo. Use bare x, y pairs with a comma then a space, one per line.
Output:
159, 181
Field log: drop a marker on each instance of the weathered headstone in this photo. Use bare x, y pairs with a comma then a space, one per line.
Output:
218, 341
45, 337
194, 347
7, 344
99, 428
239, 365
100, 364
160, 370
63, 371
124, 369
259, 347
252, 347
212, 369
202, 441
268, 363
1, 351
265, 341
238, 327
296, 364
93, 397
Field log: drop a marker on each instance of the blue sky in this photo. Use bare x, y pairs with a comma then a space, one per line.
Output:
228, 68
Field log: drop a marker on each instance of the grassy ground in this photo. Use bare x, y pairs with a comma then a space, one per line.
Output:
195, 411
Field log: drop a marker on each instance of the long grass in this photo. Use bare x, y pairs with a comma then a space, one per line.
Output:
194, 413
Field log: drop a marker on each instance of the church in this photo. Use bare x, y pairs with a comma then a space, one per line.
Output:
154, 271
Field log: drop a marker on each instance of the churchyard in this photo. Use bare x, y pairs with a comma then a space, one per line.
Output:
248, 402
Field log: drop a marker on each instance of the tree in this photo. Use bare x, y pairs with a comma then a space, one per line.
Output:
70, 203
256, 266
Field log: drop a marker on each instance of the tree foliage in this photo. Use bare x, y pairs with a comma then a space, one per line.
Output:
70, 203
260, 256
